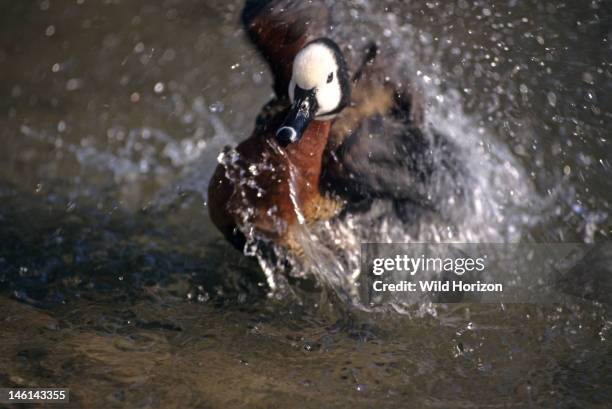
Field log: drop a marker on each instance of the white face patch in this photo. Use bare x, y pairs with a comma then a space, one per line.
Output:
311, 70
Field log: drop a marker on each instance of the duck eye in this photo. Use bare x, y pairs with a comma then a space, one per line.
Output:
330, 77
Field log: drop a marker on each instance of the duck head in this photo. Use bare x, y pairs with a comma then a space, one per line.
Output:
319, 88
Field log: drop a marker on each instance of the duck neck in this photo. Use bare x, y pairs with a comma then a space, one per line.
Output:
306, 155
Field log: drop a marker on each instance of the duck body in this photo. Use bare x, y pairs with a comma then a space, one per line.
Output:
365, 146
269, 189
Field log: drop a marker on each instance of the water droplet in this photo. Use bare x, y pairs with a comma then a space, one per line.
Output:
138, 48
50, 31
576, 208
159, 87
216, 107
73, 84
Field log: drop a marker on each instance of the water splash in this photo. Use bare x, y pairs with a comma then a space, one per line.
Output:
513, 191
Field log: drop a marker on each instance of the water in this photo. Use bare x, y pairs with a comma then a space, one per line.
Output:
114, 283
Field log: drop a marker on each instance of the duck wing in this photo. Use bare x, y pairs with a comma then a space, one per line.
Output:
386, 159
279, 29
380, 147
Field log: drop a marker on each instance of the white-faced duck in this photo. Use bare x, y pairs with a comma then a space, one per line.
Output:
341, 132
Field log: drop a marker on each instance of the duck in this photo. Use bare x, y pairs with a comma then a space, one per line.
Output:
341, 132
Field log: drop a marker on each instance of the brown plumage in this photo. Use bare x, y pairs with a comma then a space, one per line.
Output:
268, 174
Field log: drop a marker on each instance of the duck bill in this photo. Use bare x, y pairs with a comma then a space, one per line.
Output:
301, 114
